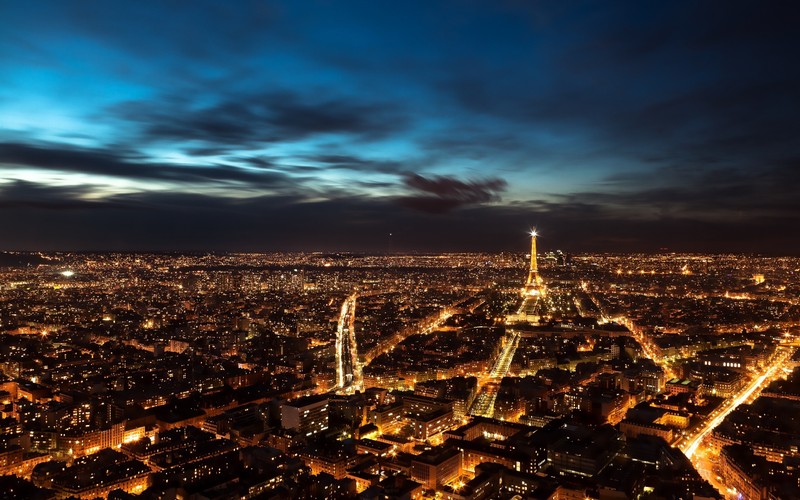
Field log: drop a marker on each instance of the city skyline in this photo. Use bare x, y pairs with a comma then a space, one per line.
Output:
464, 376
394, 128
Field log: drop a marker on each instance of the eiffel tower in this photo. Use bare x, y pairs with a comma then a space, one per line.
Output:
534, 285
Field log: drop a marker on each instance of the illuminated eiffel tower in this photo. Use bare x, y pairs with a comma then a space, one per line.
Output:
534, 285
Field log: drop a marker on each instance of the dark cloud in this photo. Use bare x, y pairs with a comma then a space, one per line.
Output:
738, 122
687, 81
359, 164
438, 194
706, 192
65, 158
30, 195
184, 221
252, 120
474, 144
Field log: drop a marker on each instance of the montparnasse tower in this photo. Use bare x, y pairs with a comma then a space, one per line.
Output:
534, 284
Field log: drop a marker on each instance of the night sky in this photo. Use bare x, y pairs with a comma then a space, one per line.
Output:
400, 126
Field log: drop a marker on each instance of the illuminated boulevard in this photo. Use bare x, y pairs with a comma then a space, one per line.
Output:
647, 346
690, 445
483, 406
349, 367
484, 402
749, 392
348, 371
693, 446
504, 360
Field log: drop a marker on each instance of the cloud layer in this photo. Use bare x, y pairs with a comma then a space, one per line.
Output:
449, 125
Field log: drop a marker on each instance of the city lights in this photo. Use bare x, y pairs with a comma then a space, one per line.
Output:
437, 361
399, 250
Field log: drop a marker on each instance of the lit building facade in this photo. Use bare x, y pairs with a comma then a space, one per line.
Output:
307, 416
